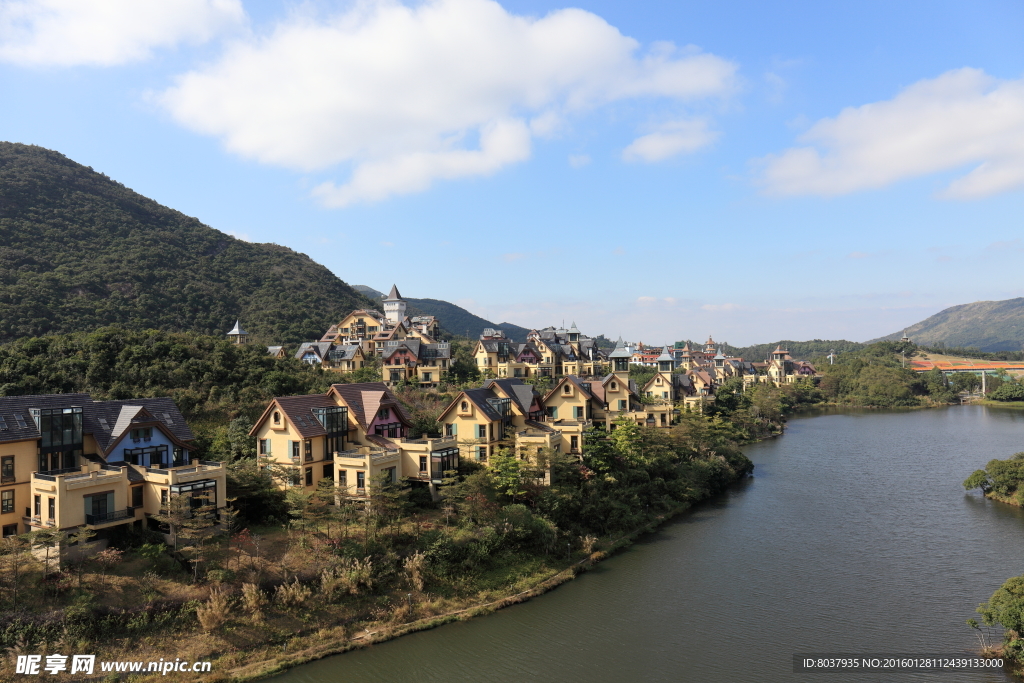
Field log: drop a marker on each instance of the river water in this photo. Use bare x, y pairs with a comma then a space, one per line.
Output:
854, 536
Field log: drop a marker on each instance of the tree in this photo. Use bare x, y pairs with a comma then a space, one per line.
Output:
508, 473
13, 548
107, 559
1006, 608
978, 480
626, 440
965, 382
81, 539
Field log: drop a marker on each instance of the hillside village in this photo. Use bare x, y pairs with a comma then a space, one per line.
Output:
71, 462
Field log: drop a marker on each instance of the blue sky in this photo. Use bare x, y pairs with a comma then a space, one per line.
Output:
656, 170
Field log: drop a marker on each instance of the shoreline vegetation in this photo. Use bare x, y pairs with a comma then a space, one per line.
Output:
1003, 481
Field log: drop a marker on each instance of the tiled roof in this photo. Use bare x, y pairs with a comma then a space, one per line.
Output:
517, 390
299, 411
16, 423
364, 399
105, 421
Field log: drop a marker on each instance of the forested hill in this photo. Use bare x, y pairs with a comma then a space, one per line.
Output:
984, 325
79, 251
804, 350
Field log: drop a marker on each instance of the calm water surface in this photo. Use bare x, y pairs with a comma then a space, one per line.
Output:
855, 535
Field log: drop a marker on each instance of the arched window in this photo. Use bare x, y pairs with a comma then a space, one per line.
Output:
277, 418
613, 386
465, 406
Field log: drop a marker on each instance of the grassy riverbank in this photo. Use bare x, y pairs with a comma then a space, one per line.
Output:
345, 575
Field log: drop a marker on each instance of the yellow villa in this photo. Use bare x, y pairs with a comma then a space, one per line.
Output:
349, 435
68, 462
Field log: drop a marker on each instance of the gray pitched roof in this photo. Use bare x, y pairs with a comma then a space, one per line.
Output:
237, 329
517, 390
319, 348
100, 419
394, 295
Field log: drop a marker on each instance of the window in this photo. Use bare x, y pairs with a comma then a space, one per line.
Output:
10, 530
343, 478
481, 453
566, 389
150, 456
574, 443
7, 469
423, 464
552, 412
309, 476
622, 404
265, 446
277, 418
481, 431
396, 375
99, 507
294, 448
384, 413
451, 429
163, 499
308, 448
329, 472
142, 433
360, 480
464, 407
51, 508
7, 501
38, 506
578, 412
60, 443
426, 377
614, 386
136, 496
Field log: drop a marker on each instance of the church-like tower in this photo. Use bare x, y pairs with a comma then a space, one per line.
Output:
394, 307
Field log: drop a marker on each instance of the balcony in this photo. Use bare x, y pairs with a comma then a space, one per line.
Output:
108, 517
203, 469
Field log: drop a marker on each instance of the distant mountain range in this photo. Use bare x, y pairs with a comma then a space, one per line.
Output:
985, 325
79, 251
454, 319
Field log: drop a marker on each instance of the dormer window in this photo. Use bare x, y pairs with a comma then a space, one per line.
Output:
384, 413
277, 418
141, 433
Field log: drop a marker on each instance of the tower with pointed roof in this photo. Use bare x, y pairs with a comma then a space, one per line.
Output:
686, 357
394, 307
238, 335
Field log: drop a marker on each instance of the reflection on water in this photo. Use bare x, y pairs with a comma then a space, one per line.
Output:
854, 536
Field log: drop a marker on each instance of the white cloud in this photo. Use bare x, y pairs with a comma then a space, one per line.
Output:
408, 95
579, 160
106, 32
963, 117
669, 140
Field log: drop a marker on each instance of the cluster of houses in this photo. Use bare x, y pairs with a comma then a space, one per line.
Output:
411, 352
67, 461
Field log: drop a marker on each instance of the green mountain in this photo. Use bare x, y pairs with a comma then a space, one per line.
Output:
80, 251
454, 319
805, 350
985, 325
